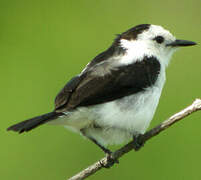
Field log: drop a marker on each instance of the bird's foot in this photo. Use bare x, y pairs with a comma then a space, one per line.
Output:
138, 142
110, 160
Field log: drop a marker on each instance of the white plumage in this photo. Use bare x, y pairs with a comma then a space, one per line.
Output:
116, 95
121, 119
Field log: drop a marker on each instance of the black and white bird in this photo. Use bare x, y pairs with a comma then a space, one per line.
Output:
115, 97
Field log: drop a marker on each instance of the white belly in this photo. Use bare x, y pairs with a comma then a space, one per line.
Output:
118, 120
132, 113
127, 117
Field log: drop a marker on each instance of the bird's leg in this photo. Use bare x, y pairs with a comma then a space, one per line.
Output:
108, 153
138, 142
111, 161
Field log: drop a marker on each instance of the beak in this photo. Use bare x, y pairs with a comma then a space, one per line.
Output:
179, 42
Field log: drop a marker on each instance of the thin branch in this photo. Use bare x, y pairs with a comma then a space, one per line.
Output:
195, 106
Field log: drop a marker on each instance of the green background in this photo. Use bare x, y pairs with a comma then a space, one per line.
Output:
44, 43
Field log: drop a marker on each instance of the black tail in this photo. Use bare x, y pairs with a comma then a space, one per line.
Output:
32, 123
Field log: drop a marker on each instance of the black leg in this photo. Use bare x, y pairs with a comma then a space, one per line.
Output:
108, 153
138, 142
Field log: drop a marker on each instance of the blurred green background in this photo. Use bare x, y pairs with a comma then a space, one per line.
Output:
44, 43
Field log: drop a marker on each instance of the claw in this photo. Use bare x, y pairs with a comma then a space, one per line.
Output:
110, 161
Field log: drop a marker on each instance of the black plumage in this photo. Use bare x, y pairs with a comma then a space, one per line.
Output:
32, 123
120, 82
89, 89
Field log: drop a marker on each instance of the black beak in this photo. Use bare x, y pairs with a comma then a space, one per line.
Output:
179, 42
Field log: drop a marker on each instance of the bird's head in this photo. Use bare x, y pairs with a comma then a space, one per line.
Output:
150, 40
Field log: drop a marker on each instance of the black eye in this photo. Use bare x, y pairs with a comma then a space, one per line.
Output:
159, 39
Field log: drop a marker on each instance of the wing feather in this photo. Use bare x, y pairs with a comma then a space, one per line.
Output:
89, 89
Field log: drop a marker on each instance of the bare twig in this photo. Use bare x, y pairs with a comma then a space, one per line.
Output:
195, 106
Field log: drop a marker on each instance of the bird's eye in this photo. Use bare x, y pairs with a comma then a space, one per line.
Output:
159, 39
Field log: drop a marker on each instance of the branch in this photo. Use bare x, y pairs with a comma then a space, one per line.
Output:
195, 106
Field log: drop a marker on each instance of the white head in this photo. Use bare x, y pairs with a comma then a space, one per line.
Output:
149, 40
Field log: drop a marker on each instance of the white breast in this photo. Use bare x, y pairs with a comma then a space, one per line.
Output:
127, 116
132, 113
120, 119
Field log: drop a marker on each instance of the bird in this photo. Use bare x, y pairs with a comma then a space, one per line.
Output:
115, 96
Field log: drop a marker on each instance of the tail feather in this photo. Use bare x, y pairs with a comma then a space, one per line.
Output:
32, 123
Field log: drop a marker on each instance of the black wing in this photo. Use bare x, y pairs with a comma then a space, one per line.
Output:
89, 89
